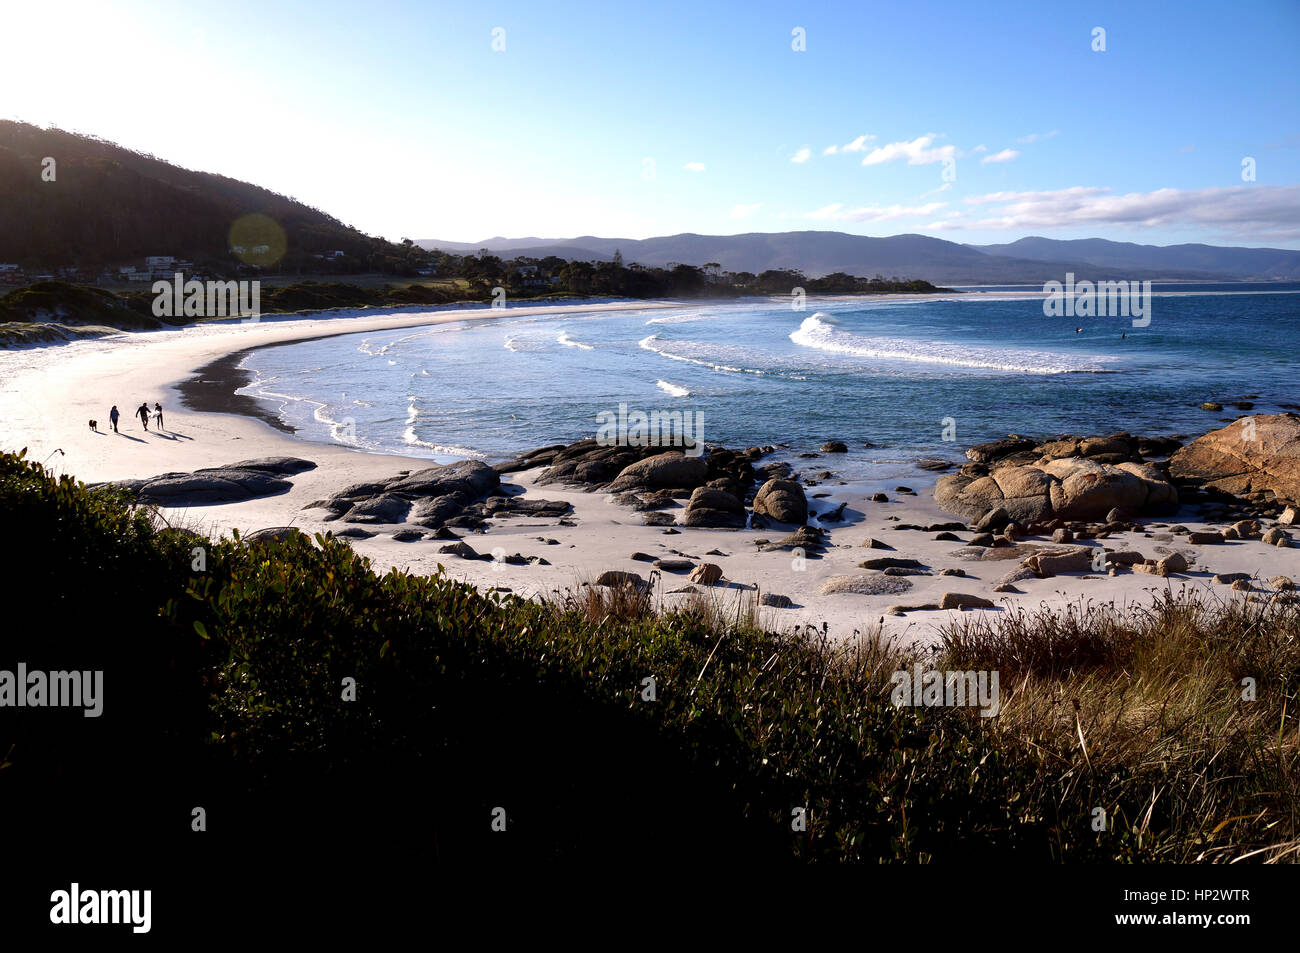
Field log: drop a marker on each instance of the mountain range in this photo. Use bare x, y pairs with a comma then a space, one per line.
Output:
819, 253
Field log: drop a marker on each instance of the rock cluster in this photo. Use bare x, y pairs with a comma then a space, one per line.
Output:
1023, 481
715, 487
455, 494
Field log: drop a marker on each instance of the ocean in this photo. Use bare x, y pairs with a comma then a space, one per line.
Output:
912, 378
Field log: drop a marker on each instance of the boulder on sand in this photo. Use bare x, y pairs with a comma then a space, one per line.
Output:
671, 470
1070, 488
717, 508
468, 477
783, 501
210, 486
1253, 456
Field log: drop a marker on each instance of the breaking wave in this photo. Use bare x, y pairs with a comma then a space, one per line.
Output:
821, 333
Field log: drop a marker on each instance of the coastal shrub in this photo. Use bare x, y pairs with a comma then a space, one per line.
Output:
308, 699
86, 575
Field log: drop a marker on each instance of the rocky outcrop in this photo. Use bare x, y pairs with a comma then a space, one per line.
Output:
233, 483
783, 501
664, 471
1255, 457
463, 494
1072, 478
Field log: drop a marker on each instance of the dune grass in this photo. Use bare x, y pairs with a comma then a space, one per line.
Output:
606, 724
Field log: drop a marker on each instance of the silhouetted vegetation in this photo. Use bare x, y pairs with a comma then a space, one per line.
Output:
224, 686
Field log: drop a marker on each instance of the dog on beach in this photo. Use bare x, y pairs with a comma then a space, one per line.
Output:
94, 425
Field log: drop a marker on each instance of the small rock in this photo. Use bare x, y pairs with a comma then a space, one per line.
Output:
887, 562
706, 573
1228, 578
1281, 583
1174, 562
613, 578
962, 600
875, 544
1202, 539
775, 601
879, 498
674, 565
952, 572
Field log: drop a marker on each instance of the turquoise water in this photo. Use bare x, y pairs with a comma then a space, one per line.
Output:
901, 375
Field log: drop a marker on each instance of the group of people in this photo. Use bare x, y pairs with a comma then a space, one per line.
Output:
143, 412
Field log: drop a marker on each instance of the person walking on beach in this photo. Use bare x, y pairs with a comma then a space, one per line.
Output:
143, 413
112, 417
157, 415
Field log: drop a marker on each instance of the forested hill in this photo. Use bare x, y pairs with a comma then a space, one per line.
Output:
109, 205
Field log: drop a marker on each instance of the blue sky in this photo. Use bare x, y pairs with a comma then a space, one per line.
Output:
633, 120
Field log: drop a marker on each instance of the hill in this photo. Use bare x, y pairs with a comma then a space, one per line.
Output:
1226, 262
109, 205
823, 252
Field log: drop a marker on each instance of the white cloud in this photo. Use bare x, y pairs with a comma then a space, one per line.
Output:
980, 148
1006, 155
857, 145
1038, 136
872, 213
916, 152
802, 155
1186, 149
694, 166
943, 188
744, 211
1243, 212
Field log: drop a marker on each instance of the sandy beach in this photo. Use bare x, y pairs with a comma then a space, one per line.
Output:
48, 395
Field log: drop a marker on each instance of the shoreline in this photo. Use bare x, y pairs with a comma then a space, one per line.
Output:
46, 398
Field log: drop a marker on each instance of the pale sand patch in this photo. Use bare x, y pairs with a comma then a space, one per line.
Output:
47, 395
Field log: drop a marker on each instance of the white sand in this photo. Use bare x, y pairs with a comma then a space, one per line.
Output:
47, 396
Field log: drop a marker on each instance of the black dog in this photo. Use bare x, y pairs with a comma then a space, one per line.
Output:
94, 425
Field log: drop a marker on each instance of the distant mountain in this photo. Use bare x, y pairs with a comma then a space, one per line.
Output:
1220, 261
819, 253
110, 205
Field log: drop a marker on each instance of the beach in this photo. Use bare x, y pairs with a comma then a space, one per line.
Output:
48, 395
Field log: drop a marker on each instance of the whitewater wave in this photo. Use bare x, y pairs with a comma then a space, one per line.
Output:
679, 319
650, 344
674, 390
515, 345
569, 342
821, 333
411, 440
